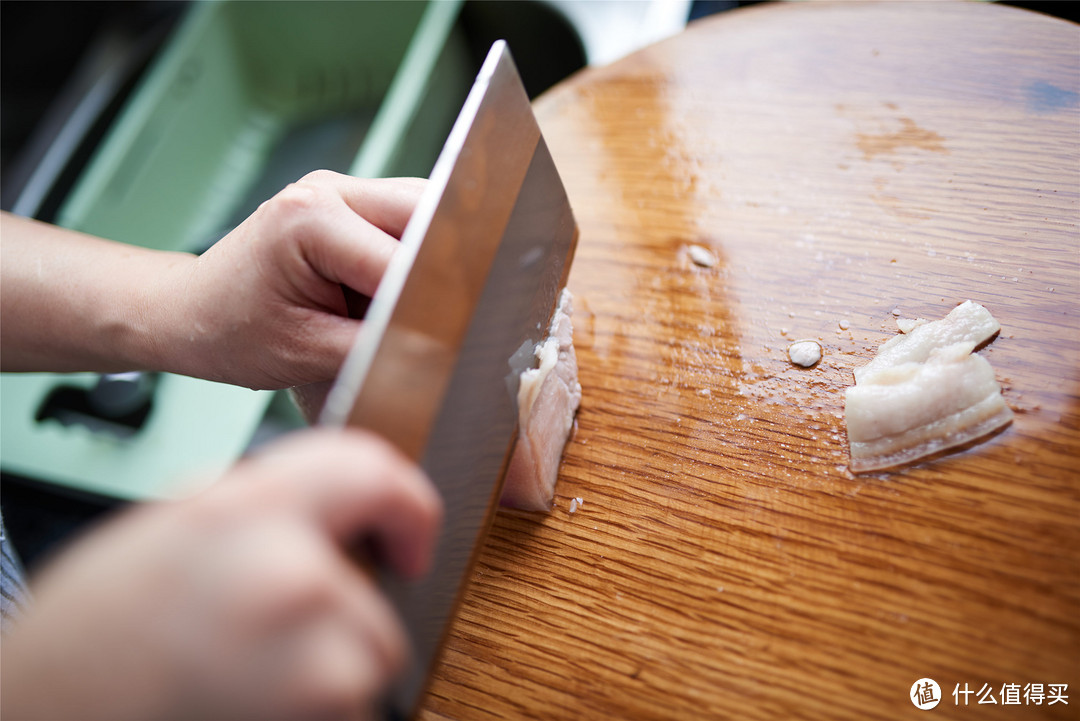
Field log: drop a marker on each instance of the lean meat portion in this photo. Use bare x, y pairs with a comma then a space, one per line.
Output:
548, 399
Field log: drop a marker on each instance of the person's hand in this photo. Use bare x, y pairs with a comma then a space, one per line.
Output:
239, 603
264, 307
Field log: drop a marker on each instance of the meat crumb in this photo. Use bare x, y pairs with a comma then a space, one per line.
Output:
702, 256
805, 352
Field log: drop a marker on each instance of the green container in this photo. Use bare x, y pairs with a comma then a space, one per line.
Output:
245, 98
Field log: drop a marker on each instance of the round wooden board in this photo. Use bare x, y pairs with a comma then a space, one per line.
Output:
846, 164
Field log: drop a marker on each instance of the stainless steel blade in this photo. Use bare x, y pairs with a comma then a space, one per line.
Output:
435, 367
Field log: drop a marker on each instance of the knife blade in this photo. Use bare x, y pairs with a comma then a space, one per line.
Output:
436, 363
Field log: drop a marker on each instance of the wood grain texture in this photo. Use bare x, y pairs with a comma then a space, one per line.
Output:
845, 163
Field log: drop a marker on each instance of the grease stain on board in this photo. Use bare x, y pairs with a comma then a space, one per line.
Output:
893, 138
909, 135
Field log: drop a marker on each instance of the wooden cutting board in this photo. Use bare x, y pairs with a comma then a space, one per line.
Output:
846, 164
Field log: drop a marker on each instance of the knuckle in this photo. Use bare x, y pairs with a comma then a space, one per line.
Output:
303, 198
318, 177
292, 207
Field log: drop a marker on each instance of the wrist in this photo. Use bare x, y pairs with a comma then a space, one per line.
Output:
139, 320
159, 327
73, 302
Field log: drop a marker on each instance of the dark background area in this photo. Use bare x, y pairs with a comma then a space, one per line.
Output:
45, 45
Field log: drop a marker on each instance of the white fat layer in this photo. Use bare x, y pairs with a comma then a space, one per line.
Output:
925, 392
918, 395
547, 353
968, 322
953, 430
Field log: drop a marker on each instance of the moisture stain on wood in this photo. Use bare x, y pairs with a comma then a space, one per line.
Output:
910, 135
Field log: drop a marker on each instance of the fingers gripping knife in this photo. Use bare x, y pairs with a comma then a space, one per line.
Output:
436, 364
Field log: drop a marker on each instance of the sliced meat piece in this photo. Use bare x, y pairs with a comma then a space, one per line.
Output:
968, 322
548, 398
916, 409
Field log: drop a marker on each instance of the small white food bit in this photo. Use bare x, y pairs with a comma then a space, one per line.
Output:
844, 324
702, 256
704, 392
906, 325
805, 352
575, 503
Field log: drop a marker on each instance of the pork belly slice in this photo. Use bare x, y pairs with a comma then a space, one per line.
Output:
912, 410
968, 322
548, 399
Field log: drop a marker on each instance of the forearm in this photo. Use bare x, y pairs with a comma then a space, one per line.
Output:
72, 302
262, 308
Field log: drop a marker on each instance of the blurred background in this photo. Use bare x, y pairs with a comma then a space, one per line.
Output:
164, 123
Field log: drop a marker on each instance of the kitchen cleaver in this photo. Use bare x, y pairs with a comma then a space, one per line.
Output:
465, 299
